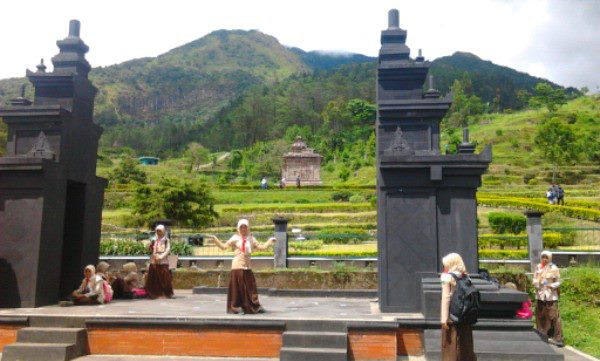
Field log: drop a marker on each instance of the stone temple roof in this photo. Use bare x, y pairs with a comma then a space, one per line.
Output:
301, 150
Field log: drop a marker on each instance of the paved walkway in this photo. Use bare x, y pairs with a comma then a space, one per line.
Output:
185, 304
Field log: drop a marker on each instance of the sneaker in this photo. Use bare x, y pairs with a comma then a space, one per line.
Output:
556, 343
262, 310
65, 303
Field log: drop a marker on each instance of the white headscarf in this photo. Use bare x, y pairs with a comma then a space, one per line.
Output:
547, 254
244, 222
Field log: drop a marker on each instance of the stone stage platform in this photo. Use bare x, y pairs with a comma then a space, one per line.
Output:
195, 327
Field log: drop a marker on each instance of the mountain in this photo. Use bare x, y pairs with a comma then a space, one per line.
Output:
192, 93
323, 60
489, 80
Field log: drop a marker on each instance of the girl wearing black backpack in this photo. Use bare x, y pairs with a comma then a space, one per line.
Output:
457, 338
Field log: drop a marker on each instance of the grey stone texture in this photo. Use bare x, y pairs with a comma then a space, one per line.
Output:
534, 237
281, 247
426, 201
50, 196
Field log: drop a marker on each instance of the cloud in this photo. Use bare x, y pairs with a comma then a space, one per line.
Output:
568, 43
557, 39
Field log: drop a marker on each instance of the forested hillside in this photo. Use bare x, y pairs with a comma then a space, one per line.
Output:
231, 89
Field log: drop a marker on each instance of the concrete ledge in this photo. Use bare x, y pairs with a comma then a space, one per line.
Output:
296, 292
141, 322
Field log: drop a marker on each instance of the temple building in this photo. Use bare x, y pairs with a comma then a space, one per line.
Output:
304, 162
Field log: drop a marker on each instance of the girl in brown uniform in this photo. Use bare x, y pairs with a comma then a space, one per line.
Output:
457, 340
243, 294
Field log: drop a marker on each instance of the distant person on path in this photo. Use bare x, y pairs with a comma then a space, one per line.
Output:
159, 282
264, 184
560, 195
282, 183
243, 294
457, 339
298, 181
90, 292
551, 194
546, 280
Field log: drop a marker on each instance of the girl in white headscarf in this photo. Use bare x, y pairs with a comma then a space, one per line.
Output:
546, 280
243, 294
91, 290
159, 282
457, 340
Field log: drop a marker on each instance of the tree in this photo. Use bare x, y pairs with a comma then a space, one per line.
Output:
336, 116
453, 140
344, 173
465, 106
187, 203
128, 171
361, 111
557, 143
197, 154
547, 96
236, 158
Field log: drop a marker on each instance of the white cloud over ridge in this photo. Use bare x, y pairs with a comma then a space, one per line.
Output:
557, 39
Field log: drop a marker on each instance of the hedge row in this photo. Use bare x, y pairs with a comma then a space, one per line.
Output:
502, 254
305, 245
573, 212
312, 208
551, 240
134, 248
292, 186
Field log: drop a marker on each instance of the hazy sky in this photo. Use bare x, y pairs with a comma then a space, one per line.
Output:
555, 39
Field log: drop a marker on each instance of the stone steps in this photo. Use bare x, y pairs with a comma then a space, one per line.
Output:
499, 345
314, 340
30, 351
47, 344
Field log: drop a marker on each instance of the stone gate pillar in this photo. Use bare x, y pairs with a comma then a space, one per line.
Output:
535, 243
281, 247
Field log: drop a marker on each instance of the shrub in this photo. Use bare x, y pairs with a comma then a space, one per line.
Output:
341, 196
373, 201
502, 254
562, 239
357, 198
302, 201
305, 245
507, 222
540, 205
581, 285
128, 172
136, 248
551, 240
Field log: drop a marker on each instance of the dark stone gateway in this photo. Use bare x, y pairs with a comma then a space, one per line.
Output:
50, 196
427, 206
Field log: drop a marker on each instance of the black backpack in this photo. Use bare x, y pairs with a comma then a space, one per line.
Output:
464, 305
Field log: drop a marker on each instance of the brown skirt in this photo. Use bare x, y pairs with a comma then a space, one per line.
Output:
457, 343
242, 295
547, 319
159, 282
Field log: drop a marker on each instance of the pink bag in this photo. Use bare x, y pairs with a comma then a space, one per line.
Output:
139, 293
108, 291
